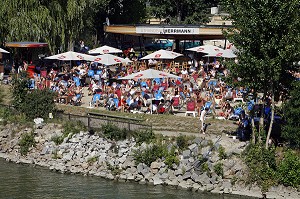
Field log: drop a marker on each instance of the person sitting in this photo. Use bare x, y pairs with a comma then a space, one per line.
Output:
227, 111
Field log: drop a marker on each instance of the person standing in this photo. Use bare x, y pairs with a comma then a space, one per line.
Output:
203, 114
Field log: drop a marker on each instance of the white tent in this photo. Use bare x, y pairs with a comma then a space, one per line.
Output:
105, 50
3, 51
162, 54
108, 59
70, 56
208, 49
228, 53
149, 74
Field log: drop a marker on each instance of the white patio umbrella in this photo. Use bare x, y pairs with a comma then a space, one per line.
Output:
70, 56
149, 74
228, 53
207, 49
108, 59
3, 51
162, 54
105, 50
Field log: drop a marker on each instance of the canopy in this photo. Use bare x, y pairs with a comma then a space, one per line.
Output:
105, 50
108, 59
26, 44
149, 74
162, 54
228, 53
3, 51
208, 49
71, 56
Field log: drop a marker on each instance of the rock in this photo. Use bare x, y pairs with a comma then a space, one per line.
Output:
191, 147
197, 140
205, 152
157, 180
186, 154
178, 172
164, 176
195, 177
204, 179
45, 150
184, 185
186, 176
155, 165
209, 187
196, 186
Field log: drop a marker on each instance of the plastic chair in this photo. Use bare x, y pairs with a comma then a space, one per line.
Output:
77, 81
91, 73
191, 108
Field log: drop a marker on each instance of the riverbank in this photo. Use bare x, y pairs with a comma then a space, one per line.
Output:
91, 154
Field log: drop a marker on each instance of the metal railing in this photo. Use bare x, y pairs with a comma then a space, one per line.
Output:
95, 120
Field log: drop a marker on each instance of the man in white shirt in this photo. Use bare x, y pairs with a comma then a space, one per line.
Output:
203, 114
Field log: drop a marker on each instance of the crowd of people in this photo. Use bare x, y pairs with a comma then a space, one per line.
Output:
202, 84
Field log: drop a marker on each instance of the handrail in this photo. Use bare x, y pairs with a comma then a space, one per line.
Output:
116, 117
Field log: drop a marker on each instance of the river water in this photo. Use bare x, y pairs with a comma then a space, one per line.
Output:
25, 181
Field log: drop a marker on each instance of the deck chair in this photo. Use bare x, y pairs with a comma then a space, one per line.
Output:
95, 100
191, 108
176, 102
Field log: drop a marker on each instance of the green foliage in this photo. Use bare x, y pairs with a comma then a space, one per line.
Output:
56, 22
69, 129
222, 153
291, 110
154, 152
73, 127
180, 11
182, 141
38, 103
26, 141
115, 170
143, 136
19, 90
92, 160
150, 154
289, 169
57, 139
262, 166
218, 168
265, 60
113, 132
171, 158
32, 103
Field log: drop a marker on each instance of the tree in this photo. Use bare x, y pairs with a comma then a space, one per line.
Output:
32, 103
180, 11
266, 34
291, 110
126, 11
57, 22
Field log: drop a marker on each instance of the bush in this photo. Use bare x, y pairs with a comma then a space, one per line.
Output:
33, 103
218, 168
182, 142
38, 103
154, 152
143, 136
289, 169
26, 141
222, 153
73, 127
113, 132
69, 128
150, 154
262, 166
171, 158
